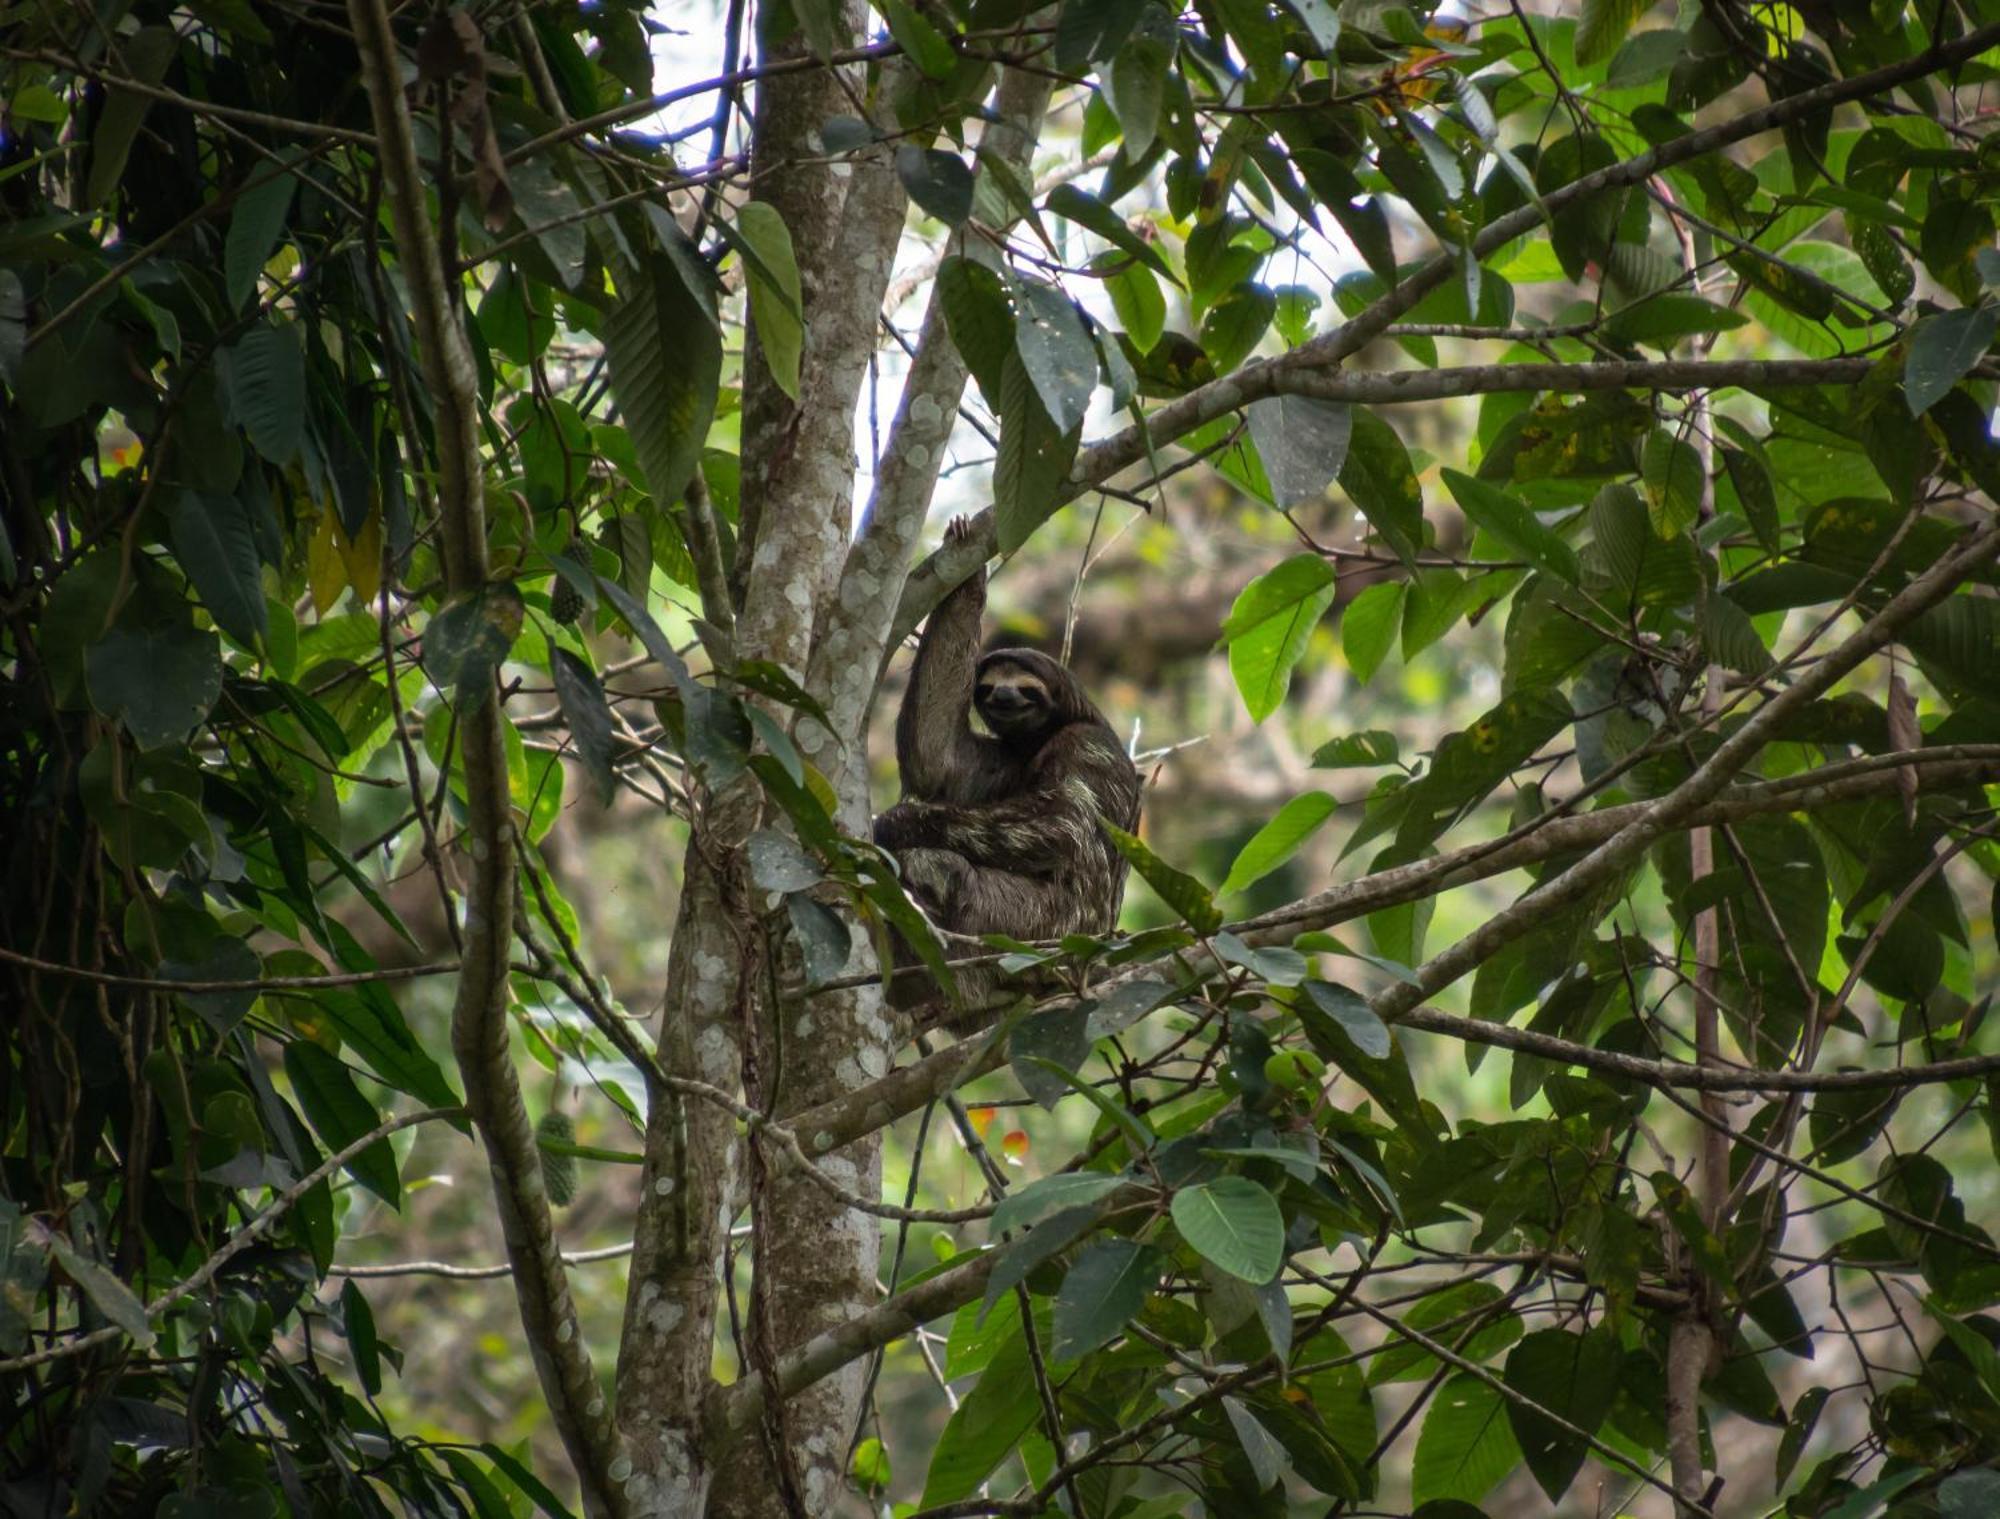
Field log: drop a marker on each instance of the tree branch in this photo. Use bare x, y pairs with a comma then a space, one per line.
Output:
236, 1244
479, 1030
944, 569
908, 1087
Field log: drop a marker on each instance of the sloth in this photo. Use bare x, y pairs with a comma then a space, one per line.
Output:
1002, 834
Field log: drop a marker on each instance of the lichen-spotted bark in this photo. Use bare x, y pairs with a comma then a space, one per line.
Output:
855, 624
688, 1187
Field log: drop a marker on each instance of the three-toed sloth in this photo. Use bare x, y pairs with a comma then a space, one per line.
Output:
1002, 834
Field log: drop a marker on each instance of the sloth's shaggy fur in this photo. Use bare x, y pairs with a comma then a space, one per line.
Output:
1002, 834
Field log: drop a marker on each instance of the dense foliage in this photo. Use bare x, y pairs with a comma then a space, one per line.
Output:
396, 444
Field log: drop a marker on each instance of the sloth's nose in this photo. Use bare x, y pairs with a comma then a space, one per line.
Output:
1007, 699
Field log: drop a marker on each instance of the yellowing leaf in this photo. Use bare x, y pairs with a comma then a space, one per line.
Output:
326, 569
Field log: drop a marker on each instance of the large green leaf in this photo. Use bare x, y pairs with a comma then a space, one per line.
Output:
340, 1115
143, 57
980, 321
1368, 627
1235, 1225
1101, 1293
1056, 351
1086, 210
1514, 525
1034, 458
216, 544
254, 228
1603, 26
664, 351
1379, 479
1466, 1445
1180, 891
160, 681
111, 1297
1269, 625
1303, 443
1136, 83
468, 639
939, 182
266, 371
1573, 1377
1001, 1407
774, 290
589, 717
1278, 840
1943, 350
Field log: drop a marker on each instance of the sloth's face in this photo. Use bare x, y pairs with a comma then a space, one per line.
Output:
1014, 702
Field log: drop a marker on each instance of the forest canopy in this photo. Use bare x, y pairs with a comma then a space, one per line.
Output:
1522, 479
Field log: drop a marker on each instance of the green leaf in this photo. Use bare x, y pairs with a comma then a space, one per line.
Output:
1051, 1195
1101, 1293
1265, 1454
1087, 211
1234, 325
1454, 1317
1466, 1445
1278, 840
1514, 525
517, 323
1033, 463
526, 1481
1368, 627
1943, 350
1798, 1430
774, 290
340, 1115
216, 544
1235, 1225
980, 321
1055, 1036
1302, 442
1135, 299
1357, 1020
1575, 1378
1001, 1408
922, 43
869, 1468
143, 57
1358, 751
1378, 478
1972, 1494
1755, 494
588, 715
1603, 26
663, 348
1180, 891
159, 681
1661, 321
1731, 638
1135, 86
1672, 471
466, 642
254, 228
111, 1296
1138, 1134
1269, 626
1469, 764
1056, 350
939, 182
266, 374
